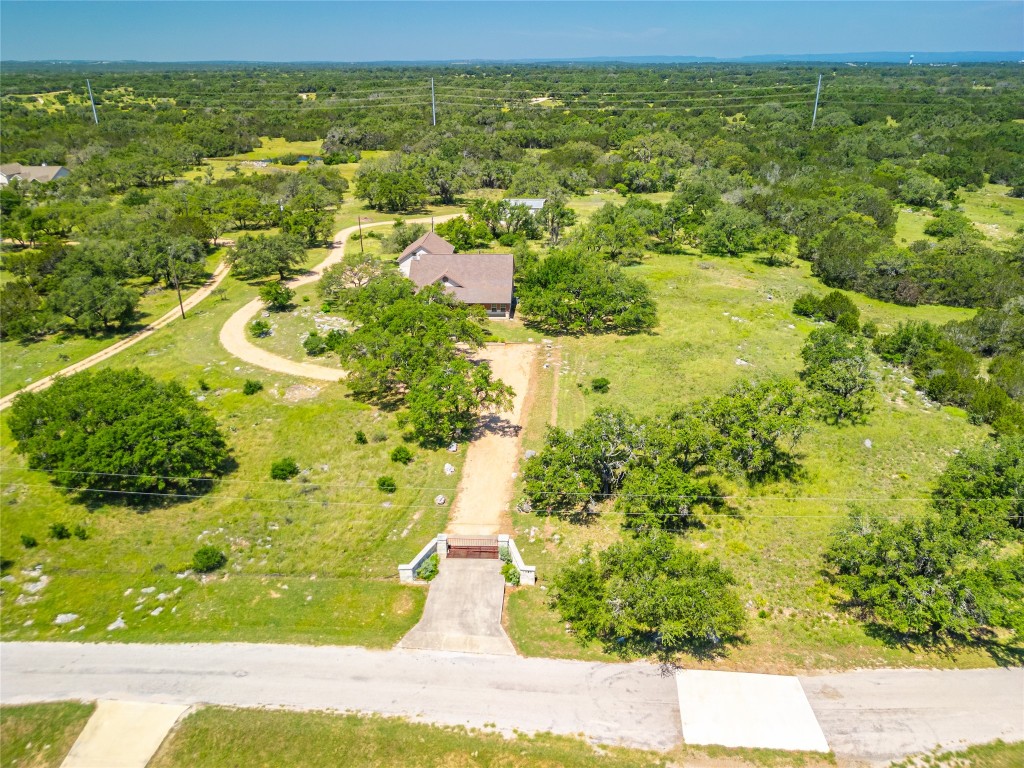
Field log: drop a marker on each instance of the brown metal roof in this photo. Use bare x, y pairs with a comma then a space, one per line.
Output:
431, 242
474, 278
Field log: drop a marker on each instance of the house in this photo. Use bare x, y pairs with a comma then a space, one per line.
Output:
533, 203
11, 171
429, 243
484, 279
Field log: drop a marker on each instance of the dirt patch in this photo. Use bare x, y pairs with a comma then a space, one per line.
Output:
298, 392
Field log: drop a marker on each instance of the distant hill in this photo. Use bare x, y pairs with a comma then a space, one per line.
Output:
874, 57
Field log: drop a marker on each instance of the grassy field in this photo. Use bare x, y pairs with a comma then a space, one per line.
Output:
40, 735
215, 737
723, 320
996, 215
998, 754
311, 560
25, 362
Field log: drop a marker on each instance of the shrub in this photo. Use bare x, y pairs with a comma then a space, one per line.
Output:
505, 554
835, 305
284, 469
277, 296
848, 322
207, 559
511, 574
386, 483
379, 437
28, 542
252, 386
401, 455
59, 531
80, 533
600, 384
428, 570
259, 328
869, 329
315, 344
203, 386
361, 437
807, 305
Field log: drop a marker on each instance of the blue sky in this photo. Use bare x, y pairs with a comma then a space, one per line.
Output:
298, 30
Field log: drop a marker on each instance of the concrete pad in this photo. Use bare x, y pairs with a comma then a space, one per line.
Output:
463, 610
733, 709
123, 734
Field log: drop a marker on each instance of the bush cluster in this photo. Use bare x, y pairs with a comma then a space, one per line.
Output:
284, 469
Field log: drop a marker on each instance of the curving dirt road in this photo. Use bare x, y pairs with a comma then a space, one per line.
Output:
204, 290
233, 336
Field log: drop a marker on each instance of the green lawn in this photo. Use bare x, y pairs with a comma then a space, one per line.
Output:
311, 560
215, 737
22, 363
998, 754
40, 735
723, 320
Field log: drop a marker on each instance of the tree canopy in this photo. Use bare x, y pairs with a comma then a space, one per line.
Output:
118, 431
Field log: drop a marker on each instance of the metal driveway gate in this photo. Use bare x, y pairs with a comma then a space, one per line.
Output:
473, 547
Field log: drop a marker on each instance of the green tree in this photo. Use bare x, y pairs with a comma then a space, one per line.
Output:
983, 487
118, 431
921, 577
837, 370
615, 233
730, 231
649, 595
555, 216
574, 292
20, 306
265, 255
446, 404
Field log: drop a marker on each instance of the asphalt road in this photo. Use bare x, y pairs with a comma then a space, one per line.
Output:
609, 703
869, 715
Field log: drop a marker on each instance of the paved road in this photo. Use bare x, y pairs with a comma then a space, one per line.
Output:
201, 293
868, 715
629, 704
885, 714
235, 339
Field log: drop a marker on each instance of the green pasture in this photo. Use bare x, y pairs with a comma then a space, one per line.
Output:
721, 321
310, 560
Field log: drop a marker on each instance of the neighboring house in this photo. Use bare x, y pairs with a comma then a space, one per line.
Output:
533, 203
484, 279
11, 171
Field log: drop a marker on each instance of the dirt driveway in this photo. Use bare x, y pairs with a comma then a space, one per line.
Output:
482, 501
233, 336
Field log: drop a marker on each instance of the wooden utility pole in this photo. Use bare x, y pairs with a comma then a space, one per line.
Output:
817, 95
177, 285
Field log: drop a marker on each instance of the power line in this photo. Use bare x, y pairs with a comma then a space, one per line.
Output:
359, 486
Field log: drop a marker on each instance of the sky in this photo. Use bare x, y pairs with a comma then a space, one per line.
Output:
299, 30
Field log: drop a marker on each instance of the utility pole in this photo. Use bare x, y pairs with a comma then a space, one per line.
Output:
177, 285
95, 117
433, 104
817, 94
